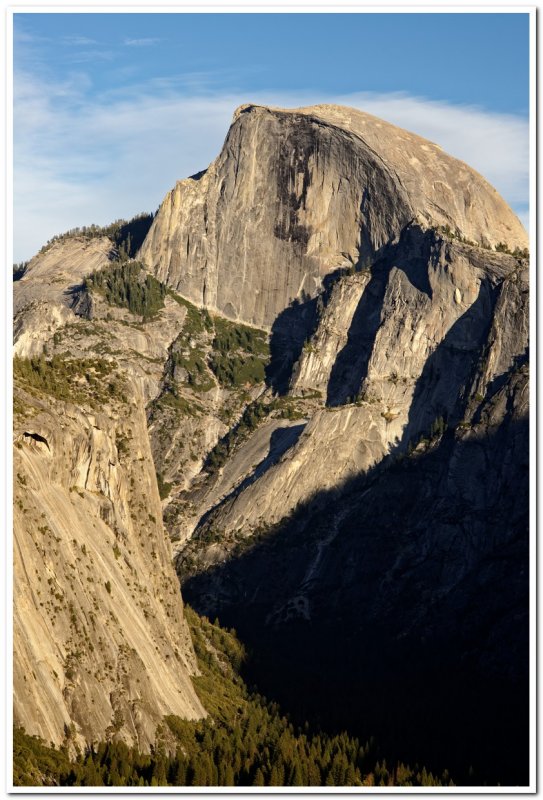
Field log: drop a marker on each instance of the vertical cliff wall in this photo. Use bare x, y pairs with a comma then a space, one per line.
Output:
297, 195
101, 647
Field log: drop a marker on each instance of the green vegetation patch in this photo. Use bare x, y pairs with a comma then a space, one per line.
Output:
208, 346
188, 352
198, 320
210, 350
170, 398
231, 336
128, 286
240, 354
502, 247
36, 764
163, 487
437, 429
233, 369
192, 360
76, 380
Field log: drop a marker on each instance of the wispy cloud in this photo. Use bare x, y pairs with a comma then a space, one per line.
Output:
79, 161
79, 41
20, 36
141, 42
91, 56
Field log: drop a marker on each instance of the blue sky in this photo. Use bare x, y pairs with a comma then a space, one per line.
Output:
111, 109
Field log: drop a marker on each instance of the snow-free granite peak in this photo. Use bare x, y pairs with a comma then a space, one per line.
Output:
297, 194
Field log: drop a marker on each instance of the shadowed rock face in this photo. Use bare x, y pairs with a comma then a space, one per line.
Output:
295, 195
427, 334
398, 607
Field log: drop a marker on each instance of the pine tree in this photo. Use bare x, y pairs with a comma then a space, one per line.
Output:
277, 777
297, 778
229, 776
258, 780
180, 775
314, 777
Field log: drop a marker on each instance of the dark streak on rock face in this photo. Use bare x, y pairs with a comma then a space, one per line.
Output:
296, 146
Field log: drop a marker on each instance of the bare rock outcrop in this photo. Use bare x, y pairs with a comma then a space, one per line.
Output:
44, 298
297, 194
59, 268
398, 352
101, 648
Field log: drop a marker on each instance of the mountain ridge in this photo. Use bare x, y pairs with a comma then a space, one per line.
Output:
307, 324
339, 201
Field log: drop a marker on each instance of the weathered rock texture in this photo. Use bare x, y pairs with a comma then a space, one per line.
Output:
400, 605
295, 195
54, 314
100, 643
45, 295
434, 324
53, 273
101, 648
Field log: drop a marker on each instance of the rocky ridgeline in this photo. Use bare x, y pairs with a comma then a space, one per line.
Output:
338, 303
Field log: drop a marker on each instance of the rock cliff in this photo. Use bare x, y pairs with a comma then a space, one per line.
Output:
434, 327
100, 644
296, 195
43, 298
386, 518
101, 648
400, 604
